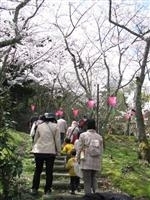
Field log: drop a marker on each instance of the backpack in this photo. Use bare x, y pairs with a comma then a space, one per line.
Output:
94, 148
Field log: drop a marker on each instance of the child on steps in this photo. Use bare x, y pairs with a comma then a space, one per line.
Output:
67, 148
74, 179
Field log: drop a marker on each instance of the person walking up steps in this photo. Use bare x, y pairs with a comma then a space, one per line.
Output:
35, 125
62, 124
74, 179
67, 148
89, 155
46, 146
73, 132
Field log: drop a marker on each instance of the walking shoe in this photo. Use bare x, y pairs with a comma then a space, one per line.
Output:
72, 192
78, 189
48, 191
33, 192
47, 194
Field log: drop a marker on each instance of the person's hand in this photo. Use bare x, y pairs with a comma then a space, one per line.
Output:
77, 159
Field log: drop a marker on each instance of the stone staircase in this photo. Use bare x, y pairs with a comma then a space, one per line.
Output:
61, 181
60, 190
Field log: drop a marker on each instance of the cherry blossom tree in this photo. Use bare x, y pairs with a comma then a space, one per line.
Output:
139, 28
86, 51
102, 55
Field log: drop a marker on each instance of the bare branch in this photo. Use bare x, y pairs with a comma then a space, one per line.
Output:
34, 13
17, 10
77, 22
13, 41
18, 36
124, 26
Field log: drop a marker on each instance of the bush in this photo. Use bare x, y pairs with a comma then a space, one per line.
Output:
10, 164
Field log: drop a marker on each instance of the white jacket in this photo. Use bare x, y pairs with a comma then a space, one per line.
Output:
47, 139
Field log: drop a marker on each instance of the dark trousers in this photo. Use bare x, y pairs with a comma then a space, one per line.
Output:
40, 159
62, 137
74, 183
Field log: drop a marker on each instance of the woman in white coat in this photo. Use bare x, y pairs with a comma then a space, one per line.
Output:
46, 146
89, 163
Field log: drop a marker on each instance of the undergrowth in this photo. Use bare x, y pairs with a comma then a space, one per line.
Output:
120, 165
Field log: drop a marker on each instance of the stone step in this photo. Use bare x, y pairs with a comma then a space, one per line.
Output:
61, 157
57, 175
63, 196
107, 194
63, 184
60, 162
59, 168
60, 185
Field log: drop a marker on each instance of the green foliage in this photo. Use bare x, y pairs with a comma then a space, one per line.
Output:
122, 166
10, 162
143, 146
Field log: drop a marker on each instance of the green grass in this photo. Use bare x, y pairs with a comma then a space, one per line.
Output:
120, 164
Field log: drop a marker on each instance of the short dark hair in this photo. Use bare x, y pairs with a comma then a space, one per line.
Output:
67, 140
73, 152
42, 117
91, 124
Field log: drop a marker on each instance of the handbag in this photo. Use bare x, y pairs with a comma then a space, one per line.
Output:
78, 170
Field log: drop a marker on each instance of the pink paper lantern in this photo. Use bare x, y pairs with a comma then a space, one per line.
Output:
56, 113
112, 101
91, 103
59, 113
75, 112
33, 107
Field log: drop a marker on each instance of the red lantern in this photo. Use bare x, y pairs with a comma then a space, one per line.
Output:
112, 101
91, 103
33, 107
75, 112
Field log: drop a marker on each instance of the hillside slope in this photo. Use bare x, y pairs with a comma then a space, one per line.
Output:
121, 169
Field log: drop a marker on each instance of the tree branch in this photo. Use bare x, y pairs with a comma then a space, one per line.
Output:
15, 40
123, 26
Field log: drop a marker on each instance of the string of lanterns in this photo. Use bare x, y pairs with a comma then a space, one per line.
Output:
91, 104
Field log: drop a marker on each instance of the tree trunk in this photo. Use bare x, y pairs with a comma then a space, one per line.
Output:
141, 135
128, 126
139, 116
